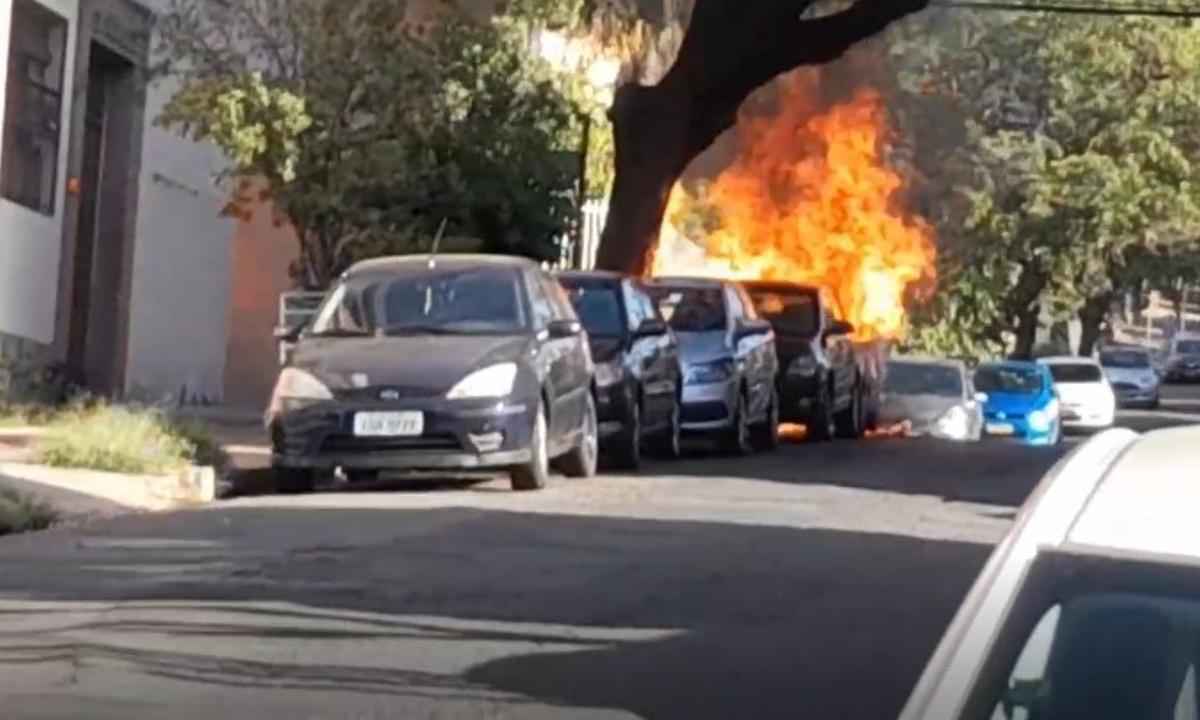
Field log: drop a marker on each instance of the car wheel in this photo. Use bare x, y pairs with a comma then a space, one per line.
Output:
766, 433
848, 422
580, 462
534, 474
738, 440
626, 451
821, 425
294, 481
667, 445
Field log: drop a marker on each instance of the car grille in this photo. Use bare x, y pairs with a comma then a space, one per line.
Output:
703, 412
349, 444
374, 393
1125, 387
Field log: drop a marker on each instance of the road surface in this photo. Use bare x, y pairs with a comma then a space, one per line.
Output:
812, 582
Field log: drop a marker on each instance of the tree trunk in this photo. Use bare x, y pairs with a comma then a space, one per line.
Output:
1027, 327
1091, 318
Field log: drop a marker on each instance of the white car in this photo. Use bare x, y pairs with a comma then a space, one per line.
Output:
1086, 397
1090, 607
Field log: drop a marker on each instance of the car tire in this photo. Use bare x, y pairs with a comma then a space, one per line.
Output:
737, 438
820, 426
626, 450
580, 461
534, 474
849, 421
667, 445
766, 433
295, 481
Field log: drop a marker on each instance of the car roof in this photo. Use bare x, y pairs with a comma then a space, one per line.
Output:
1067, 360
780, 286
403, 264
607, 275
928, 360
688, 282
1012, 364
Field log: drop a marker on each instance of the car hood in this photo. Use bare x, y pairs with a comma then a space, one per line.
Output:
605, 349
920, 409
1135, 376
791, 346
420, 362
701, 347
1083, 393
1015, 403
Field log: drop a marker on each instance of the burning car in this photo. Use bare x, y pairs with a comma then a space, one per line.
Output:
932, 397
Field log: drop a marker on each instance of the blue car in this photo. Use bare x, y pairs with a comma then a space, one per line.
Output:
1021, 402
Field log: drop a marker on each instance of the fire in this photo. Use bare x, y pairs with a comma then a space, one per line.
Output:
808, 198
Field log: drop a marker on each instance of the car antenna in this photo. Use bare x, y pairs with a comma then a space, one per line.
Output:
437, 241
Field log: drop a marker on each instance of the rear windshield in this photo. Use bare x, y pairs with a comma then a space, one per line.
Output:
909, 378
1076, 373
1000, 379
1124, 359
690, 309
1188, 347
790, 313
598, 306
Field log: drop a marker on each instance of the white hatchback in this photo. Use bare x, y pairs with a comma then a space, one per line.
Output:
1084, 393
1090, 607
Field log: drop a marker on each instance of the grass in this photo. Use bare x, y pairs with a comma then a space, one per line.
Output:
115, 438
25, 415
21, 513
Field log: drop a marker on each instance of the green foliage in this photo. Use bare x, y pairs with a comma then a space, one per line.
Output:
1074, 139
123, 439
367, 134
21, 512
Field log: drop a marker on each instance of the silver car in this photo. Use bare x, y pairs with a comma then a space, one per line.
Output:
932, 397
729, 361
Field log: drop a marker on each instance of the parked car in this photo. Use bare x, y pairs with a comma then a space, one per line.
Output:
729, 361
639, 381
933, 397
1021, 402
1090, 607
824, 382
1087, 399
1130, 371
1183, 359
460, 362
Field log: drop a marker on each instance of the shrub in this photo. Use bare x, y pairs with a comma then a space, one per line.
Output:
123, 439
20, 512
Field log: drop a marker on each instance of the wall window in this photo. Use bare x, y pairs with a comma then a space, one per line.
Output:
33, 107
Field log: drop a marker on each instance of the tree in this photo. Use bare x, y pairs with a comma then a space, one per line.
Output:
1078, 157
731, 48
366, 134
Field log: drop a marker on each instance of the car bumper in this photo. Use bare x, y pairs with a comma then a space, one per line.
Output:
1017, 430
797, 397
1083, 418
463, 435
708, 407
1140, 396
1183, 374
613, 408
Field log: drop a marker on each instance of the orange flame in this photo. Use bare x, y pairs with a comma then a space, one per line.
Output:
808, 199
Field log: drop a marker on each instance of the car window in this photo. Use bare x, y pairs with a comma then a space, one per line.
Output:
539, 302
691, 309
560, 304
908, 378
649, 309
485, 300
598, 307
737, 309
792, 312
635, 311
1188, 347
1075, 373
1002, 379
1124, 359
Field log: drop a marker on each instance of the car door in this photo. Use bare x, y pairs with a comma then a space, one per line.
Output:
573, 358
657, 365
750, 352
841, 361
550, 358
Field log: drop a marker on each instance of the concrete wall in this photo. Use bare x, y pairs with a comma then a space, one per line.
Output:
30, 243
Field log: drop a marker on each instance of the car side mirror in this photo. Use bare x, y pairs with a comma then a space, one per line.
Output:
838, 328
559, 329
289, 334
750, 328
651, 327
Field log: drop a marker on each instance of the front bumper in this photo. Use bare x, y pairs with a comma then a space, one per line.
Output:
1134, 396
613, 408
463, 435
709, 407
1183, 373
1016, 428
1088, 418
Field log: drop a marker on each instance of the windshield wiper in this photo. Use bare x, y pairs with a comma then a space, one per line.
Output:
418, 330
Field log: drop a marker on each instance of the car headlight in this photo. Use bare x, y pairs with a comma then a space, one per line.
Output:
1039, 421
804, 366
494, 381
294, 389
710, 373
609, 374
954, 424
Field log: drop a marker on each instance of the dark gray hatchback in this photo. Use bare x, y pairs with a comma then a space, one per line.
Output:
460, 362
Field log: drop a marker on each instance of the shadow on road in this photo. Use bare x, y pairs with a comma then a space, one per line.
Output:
662, 619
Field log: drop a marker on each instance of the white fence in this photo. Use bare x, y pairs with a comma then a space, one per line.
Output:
595, 212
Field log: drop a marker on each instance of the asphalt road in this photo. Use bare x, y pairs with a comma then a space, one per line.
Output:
812, 582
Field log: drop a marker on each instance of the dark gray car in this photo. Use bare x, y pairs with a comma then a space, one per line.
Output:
729, 361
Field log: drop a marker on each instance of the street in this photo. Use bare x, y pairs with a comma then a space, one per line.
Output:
812, 582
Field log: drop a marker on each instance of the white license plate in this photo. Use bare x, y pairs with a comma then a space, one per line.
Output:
1000, 429
389, 424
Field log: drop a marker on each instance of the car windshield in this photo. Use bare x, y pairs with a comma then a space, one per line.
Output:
479, 300
789, 312
598, 306
1188, 347
691, 309
909, 378
1076, 373
1124, 359
1008, 379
